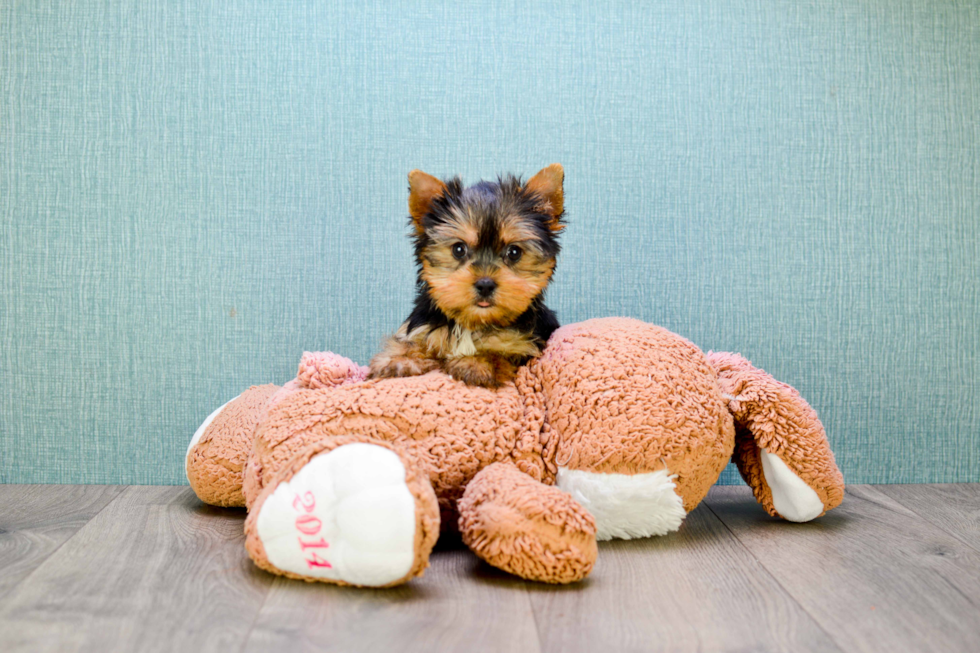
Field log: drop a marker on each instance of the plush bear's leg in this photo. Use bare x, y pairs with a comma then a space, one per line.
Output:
780, 446
525, 527
347, 510
217, 453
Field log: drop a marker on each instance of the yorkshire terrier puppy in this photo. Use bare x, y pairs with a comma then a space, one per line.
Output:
485, 256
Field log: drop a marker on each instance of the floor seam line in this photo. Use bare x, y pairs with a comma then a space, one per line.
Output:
258, 613
918, 514
534, 617
16, 586
776, 580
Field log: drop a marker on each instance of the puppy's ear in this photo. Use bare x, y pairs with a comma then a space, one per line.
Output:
422, 189
548, 185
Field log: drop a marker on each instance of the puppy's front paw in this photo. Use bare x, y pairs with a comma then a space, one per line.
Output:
472, 370
383, 367
486, 371
504, 370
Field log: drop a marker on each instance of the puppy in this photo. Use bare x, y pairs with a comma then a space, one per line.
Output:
485, 255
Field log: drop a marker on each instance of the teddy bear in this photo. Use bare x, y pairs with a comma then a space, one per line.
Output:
617, 430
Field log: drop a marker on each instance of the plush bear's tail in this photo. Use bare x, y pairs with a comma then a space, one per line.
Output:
781, 449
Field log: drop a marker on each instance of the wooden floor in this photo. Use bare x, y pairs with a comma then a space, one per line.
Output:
895, 568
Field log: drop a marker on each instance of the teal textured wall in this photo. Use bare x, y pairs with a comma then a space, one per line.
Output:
193, 195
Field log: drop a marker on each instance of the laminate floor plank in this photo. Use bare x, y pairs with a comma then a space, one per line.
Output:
955, 508
155, 570
151, 568
874, 575
37, 519
695, 590
460, 604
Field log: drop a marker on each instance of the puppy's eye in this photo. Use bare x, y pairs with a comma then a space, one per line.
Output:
459, 251
514, 253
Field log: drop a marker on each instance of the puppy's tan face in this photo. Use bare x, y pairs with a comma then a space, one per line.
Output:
484, 270
487, 251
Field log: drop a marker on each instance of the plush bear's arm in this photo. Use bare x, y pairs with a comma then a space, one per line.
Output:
781, 449
525, 527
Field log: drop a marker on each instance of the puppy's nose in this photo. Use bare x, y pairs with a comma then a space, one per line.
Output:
485, 286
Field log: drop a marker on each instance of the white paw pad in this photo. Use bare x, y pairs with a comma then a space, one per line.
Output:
792, 498
347, 515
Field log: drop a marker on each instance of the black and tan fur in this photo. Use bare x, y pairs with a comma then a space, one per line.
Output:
485, 255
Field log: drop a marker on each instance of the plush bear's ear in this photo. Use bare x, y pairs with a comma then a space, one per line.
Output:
548, 185
422, 189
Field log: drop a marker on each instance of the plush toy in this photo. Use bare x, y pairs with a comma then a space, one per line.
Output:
616, 431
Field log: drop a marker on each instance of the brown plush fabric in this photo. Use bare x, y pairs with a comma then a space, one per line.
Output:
324, 369
215, 464
451, 429
417, 480
525, 527
629, 397
772, 415
610, 395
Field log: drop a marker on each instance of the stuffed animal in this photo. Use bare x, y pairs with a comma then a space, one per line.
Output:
617, 430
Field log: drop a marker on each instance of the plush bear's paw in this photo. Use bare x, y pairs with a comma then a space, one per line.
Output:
347, 516
527, 528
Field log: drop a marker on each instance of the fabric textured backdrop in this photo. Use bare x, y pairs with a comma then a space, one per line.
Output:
193, 195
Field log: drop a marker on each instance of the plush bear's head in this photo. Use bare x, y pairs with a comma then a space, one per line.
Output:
638, 413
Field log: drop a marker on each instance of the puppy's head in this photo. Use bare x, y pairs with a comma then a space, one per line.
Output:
487, 251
